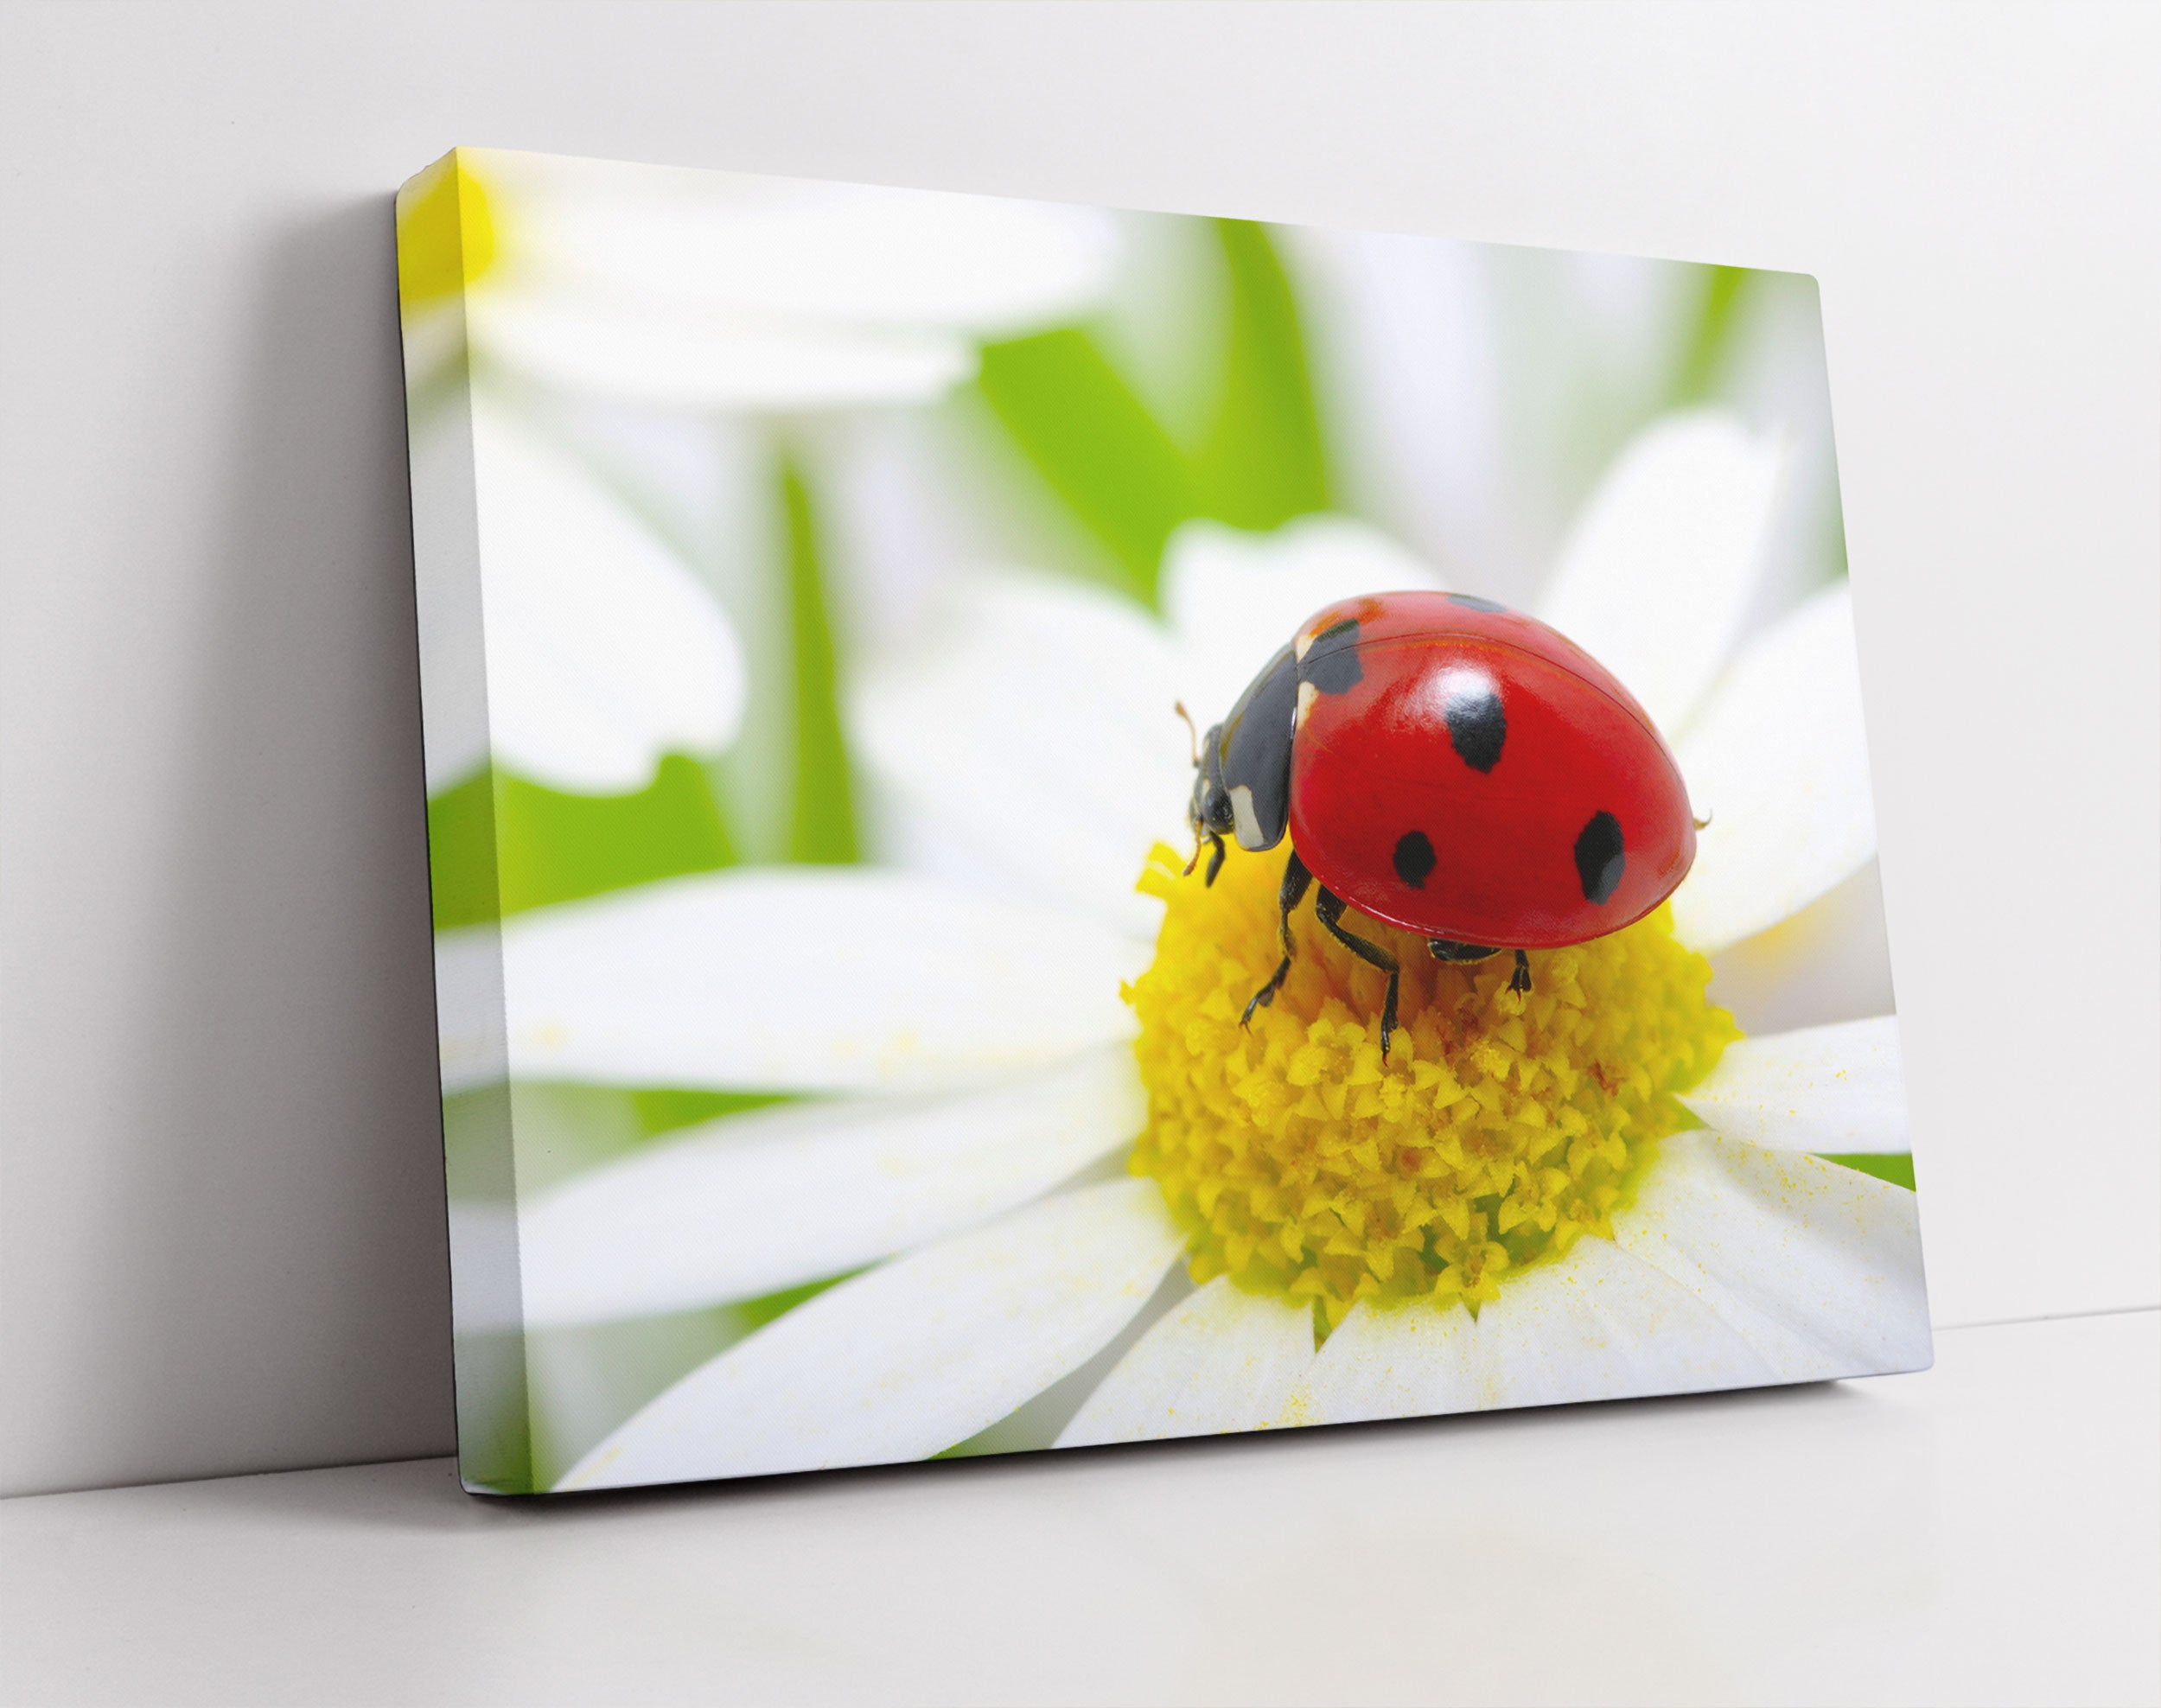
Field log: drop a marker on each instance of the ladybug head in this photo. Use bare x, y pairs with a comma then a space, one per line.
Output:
1209, 811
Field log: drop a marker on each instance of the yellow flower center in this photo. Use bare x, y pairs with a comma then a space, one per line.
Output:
1501, 1128
446, 233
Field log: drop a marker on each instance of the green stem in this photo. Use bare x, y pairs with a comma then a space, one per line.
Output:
823, 832
1704, 363
1263, 463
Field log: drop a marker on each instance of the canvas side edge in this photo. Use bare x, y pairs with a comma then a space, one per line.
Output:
492, 1398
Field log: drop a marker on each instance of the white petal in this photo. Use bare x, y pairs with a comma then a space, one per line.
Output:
912, 1357
483, 1267
1235, 597
1658, 572
1035, 722
1411, 1361
1827, 962
1601, 1325
1778, 762
1818, 1266
836, 252
1221, 1361
1422, 409
753, 1204
468, 1008
447, 588
1597, 1325
1836, 1088
603, 652
796, 979
705, 359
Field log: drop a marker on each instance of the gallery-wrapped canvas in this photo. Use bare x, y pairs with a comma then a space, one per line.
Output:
1052, 827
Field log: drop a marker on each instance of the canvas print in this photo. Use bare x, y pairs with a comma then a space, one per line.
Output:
1052, 827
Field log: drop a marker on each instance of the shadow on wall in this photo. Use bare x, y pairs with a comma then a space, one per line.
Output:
285, 1273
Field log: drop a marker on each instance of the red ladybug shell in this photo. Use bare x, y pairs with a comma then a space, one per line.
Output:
1460, 770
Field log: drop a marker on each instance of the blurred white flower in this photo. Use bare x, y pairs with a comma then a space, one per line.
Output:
967, 1027
717, 290
1475, 391
602, 652
684, 291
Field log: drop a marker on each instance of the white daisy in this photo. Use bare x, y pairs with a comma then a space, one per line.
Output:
582, 282
977, 1066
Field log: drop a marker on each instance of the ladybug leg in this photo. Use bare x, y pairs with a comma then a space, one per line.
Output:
1295, 880
1216, 860
1328, 907
1462, 954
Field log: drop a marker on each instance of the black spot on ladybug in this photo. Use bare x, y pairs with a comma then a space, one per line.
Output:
1334, 674
1331, 663
1414, 859
1471, 601
1600, 858
1477, 724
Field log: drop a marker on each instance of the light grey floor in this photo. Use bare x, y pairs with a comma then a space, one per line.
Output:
1987, 1532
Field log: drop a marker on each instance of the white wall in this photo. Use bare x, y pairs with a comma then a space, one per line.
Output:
222, 1207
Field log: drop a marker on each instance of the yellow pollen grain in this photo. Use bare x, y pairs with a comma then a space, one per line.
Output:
1501, 1128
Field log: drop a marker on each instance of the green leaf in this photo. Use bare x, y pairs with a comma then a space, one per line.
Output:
1262, 462
1095, 443
499, 845
1896, 1168
1122, 473
823, 832
664, 1110
756, 1313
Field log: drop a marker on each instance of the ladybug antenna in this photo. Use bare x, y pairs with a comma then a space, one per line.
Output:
1192, 735
1703, 823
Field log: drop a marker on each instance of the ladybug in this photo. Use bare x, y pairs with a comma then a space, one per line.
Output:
1451, 768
